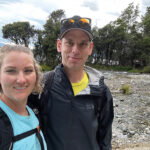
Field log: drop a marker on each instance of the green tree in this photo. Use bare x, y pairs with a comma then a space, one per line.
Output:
145, 24
119, 40
126, 28
18, 32
38, 47
104, 43
45, 47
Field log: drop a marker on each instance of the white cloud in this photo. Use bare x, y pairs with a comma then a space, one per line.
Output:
37, 11
22, 12
91, 4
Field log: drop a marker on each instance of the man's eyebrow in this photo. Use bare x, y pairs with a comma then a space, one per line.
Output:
68, 39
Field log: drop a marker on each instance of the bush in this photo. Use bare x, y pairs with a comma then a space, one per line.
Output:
146, 69
126, 89
46, 68
111, 68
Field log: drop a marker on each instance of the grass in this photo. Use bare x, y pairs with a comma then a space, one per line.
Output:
146, 69
45, 68
125, 89
110, 68
121, 68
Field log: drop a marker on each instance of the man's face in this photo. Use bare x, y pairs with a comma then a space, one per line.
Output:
75, 48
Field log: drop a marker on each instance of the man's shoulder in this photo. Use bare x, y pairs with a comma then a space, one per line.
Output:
48, 75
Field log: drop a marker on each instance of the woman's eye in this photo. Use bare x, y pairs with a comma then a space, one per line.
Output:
11, 71
28, 71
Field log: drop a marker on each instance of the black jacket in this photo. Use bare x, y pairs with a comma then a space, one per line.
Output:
82, 122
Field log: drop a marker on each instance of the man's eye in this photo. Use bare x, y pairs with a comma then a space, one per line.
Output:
83, 44
69, 43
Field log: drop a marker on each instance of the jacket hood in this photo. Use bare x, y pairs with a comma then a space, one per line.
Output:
96, 82
94, 75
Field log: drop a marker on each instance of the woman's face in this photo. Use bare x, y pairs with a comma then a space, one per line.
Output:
17, 77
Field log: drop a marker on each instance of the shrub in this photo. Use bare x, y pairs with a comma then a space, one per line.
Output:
126, 89
45, 68
146, 69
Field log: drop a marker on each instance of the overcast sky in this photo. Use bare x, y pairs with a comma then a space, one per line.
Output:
37, 11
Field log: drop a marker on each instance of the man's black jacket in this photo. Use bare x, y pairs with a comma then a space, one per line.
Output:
82, 122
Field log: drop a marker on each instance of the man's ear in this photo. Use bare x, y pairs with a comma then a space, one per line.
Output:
90, 48
58, 45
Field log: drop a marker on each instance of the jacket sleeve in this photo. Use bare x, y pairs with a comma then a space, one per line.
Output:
105, 119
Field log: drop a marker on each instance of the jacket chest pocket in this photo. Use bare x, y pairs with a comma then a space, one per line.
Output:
86, 104
85, 108
84, 115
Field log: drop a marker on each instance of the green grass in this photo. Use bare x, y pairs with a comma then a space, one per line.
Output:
45, 68
121, 68
125, 89
146, 69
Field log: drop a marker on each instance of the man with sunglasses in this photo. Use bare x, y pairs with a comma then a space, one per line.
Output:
77, 113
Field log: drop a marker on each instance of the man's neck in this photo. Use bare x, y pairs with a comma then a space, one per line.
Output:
74, 75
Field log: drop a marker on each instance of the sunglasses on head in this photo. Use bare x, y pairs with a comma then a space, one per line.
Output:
82, 22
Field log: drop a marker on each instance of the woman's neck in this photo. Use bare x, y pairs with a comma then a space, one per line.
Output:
18, 107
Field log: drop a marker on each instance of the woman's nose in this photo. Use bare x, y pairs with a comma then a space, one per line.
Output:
21, 78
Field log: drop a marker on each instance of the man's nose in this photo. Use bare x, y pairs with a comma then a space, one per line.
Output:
75, 48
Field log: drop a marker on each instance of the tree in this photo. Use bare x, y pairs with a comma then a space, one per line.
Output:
18, 32
46, 43
38, 47
145, 24
126, 27
103, 41
119, 41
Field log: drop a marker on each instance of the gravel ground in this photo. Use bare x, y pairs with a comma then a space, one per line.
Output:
131, 126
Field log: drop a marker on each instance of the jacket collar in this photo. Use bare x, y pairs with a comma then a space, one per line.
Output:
96, 80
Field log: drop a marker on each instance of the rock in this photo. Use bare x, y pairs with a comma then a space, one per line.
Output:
132, 112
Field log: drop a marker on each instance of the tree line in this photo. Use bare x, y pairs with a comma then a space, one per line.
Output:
124, 42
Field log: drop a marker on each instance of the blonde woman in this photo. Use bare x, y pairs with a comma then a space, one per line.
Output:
19, 77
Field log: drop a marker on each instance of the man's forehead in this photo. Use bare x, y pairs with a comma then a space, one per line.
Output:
73, 40
77, 33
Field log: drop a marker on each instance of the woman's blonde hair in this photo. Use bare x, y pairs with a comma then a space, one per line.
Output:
19, 48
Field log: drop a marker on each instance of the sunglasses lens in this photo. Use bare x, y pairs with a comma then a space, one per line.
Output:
68, 23
71, 21
84, 22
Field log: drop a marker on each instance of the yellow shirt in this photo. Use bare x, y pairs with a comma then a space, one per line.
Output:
79, 86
